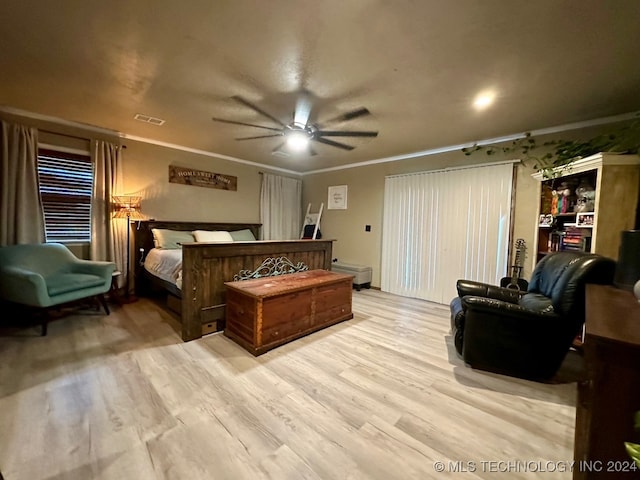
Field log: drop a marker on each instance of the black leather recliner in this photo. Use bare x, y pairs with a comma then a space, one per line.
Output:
527, 334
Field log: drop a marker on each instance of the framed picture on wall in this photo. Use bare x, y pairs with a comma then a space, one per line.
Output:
337, 198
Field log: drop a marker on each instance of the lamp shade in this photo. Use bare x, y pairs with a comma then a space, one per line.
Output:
127, 206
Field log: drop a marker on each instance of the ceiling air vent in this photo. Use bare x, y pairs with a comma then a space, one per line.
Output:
147, 119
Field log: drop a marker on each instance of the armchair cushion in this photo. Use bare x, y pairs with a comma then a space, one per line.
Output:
69, 282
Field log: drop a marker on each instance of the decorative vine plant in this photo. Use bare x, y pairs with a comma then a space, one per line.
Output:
633, 449
558, 154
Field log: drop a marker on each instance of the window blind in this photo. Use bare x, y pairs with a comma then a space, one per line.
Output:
66, 183
445, 225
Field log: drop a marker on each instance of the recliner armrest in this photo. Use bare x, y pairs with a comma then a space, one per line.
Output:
485, 290
498, 307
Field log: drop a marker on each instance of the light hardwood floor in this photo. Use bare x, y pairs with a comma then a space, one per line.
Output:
382, 396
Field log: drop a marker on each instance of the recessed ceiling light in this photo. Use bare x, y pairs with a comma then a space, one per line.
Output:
483, 100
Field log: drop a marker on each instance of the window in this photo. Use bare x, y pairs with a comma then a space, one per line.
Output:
66, 184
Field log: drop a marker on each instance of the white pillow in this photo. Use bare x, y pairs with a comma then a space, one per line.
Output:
212, 236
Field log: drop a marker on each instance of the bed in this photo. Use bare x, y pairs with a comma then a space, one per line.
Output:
204, 267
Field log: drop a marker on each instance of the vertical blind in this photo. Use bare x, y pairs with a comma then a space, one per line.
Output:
444, 225
66, 182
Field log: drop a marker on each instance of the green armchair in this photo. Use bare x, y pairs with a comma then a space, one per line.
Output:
48, 274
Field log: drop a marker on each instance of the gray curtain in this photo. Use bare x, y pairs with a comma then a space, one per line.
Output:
280, 207
20, 205
108, 235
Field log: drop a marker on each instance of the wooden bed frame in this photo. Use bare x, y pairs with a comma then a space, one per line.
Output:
206, 266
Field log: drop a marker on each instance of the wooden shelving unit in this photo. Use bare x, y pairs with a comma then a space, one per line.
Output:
616, 179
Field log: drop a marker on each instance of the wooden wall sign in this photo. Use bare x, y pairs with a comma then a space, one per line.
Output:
199, 178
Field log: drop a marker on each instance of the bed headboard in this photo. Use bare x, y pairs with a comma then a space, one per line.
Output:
143, 238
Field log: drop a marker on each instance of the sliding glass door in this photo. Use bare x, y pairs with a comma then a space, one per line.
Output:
444, 225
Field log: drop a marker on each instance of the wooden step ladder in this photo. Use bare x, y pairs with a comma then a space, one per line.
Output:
311, 219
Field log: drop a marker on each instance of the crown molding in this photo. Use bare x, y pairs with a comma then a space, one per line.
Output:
106, 131
488, 141
208, 154
58, 121
407, 156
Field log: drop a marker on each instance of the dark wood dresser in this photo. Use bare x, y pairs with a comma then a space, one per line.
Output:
609, 397
264, 313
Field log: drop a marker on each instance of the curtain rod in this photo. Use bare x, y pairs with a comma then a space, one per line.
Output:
279, 175
63, 134
69, 136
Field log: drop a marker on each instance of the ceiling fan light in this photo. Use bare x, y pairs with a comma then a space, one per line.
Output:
297, 141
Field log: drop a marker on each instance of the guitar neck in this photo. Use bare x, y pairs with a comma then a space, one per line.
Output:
516, 268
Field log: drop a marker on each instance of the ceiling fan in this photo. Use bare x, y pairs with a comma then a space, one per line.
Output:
299, 133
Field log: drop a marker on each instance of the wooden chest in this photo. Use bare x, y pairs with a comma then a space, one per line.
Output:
264, 313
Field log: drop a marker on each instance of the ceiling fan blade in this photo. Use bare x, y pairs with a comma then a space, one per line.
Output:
303, 110
359, 112
233, 122
326, 133
257, 109
332, 143
260, 136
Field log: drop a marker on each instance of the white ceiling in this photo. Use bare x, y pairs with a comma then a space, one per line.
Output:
415, 64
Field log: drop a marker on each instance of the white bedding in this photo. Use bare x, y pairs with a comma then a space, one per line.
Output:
166, 264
